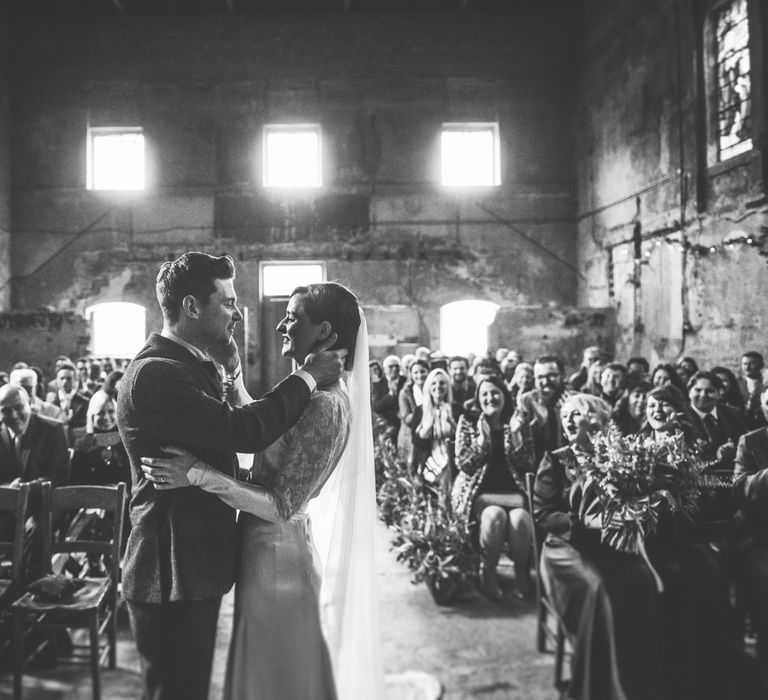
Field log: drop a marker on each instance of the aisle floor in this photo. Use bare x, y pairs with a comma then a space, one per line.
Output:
477, 649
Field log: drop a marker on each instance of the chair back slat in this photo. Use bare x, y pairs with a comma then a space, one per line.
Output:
110, 499
13, 500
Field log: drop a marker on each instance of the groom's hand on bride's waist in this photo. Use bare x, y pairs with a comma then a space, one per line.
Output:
323, 364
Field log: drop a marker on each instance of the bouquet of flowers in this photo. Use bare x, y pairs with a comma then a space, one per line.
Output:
636, 479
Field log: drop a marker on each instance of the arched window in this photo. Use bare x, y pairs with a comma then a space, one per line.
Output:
464, 326
118, 329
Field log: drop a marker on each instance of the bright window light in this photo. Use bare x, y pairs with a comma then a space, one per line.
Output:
464, 327
115, 158
292, 156
280, 280
118, 329
470, 155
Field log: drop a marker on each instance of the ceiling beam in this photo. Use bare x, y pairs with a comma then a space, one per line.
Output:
119, 6
231, 6
347, 4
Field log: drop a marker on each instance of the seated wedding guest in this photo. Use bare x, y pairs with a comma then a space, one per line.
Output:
384, 395
438, 360
112, 382
405, 364
522, 381
751, 489
638, 369
515, 357
686, 367
99, 457
719, 427
422, 353
751, 386
507, 369
462, 387
629, 412
500, 354
664, 374
607, 599
697, 636
594, 373
31, 446
612, 381
577, 380
484, 459
536, 426
73, 403
52, 385
482, 366
729, 390
409, 399
27, 379
375, 372
433, 433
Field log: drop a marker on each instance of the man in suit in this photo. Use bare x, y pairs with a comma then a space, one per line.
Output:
386, 392
31, 446
751, 491
751, 385
462, 386
180, 556
68, 397
717, 425
536, 427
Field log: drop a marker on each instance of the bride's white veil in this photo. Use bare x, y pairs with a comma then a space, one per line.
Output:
343, 521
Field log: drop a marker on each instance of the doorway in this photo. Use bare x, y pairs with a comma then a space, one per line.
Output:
277, 280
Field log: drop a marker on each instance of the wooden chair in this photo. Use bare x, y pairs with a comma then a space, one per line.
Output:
13, 509
550, 629
94, 605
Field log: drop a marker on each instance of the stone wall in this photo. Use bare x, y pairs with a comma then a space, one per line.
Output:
674, 242
380, 84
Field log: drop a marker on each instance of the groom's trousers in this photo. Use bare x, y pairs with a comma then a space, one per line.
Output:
175, 642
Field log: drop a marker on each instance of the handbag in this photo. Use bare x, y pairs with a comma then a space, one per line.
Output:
436, 463
464, 490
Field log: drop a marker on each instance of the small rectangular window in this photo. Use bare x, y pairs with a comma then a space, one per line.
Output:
280, 279
470, 155
292, 155
115, 158
733, 75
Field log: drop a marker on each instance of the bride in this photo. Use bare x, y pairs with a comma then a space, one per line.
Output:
292, 638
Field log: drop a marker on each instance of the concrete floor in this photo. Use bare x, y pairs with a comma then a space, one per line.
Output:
477, 649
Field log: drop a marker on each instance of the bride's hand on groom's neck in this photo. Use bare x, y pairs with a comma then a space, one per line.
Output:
323, 364
226, 354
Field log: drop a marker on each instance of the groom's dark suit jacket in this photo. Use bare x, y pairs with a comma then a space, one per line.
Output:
182, 541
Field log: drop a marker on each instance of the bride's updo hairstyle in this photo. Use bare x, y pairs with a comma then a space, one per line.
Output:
333, 302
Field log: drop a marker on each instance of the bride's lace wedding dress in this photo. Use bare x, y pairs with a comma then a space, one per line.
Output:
278, 651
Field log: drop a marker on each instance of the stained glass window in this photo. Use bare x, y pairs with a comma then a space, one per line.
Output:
734, 88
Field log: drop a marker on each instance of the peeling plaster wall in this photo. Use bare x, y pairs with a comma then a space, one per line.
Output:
380, 84
642, 116
5, 173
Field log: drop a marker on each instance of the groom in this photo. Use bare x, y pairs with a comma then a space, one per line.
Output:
180, 556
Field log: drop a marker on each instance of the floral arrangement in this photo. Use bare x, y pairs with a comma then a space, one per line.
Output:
637, 478
428, 537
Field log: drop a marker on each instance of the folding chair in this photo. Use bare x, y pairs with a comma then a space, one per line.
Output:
94, 605
547, 617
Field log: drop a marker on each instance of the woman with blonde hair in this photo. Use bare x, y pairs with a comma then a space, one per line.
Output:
433, 431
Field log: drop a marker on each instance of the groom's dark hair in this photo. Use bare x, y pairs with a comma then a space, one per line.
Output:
333, 302
193, 273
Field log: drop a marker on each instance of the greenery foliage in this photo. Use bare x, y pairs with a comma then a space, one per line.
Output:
429, 538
